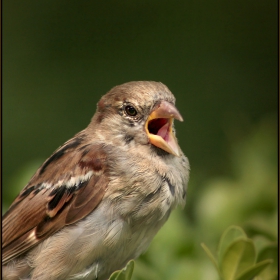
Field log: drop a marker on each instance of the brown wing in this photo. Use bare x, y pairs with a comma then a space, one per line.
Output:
66, 188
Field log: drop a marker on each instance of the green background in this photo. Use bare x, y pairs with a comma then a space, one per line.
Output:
219, 58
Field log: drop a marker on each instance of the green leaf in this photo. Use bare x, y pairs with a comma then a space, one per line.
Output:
238, 257
254, 270
230, 234
269, 252
211, 257
125, 273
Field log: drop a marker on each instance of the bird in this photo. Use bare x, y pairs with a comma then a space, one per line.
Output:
101, 197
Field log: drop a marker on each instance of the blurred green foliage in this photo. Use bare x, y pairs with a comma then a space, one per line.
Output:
220, 61
125, 273
237, 257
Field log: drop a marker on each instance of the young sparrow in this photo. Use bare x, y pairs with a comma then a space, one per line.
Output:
100, 198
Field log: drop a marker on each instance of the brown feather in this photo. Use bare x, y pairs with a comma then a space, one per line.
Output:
89, 199
21, 244
41, 210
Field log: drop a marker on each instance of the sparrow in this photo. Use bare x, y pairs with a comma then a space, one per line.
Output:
100, 198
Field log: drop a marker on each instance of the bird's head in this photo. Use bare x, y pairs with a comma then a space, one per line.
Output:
139, 113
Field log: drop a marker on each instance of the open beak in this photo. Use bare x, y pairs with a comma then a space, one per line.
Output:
159, 127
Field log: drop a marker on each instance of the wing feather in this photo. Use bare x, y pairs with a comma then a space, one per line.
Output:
66, 188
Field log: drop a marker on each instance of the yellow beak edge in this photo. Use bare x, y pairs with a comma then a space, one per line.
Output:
164, 114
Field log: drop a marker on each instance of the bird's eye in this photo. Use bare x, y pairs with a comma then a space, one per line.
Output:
130, 110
